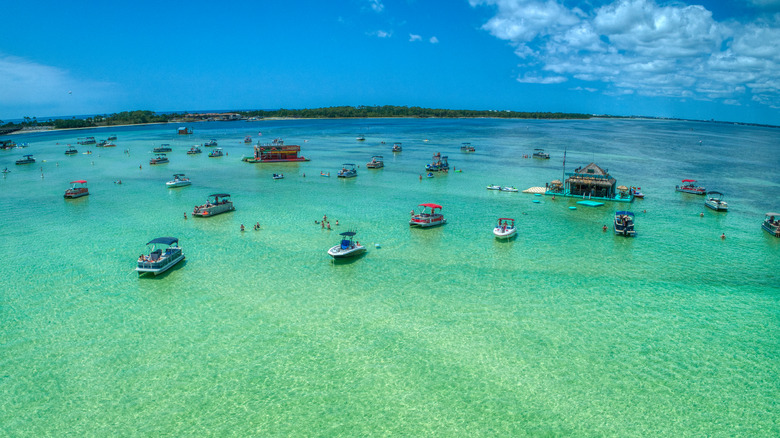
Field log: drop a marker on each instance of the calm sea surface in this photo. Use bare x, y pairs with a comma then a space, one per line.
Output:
567, 330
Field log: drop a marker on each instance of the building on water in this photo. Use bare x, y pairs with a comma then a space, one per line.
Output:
590, 182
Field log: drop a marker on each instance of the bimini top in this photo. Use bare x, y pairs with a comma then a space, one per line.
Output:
689, 180
220, 195
431, 206
80, 181
348, 233
773, 214
506, 219
628, 213
713, 192
164, 240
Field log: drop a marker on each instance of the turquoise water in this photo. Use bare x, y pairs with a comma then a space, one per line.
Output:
566, 330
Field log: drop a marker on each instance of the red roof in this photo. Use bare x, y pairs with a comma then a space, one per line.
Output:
689, 180
506, 219
430, 205
81, 181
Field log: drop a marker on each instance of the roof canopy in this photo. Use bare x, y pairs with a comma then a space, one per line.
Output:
430, 205
220, 195
773, 214
689, 180
80, 181
506, 219
348, 233
713, 192
622, 212
164, 240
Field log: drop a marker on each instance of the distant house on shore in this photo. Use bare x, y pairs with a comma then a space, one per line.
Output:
183, 130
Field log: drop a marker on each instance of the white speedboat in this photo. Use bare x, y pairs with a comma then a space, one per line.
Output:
509, 189
772, 224
77, 189
347, 171
505, 228
179, 180
278, 176
715, 201
624, 223
160, 260
216, 204
427, 217
493, 187
348, 247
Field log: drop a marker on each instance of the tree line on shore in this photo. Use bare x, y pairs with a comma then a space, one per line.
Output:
141, 116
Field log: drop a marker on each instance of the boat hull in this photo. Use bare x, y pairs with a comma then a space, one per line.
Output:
73, 194
502, 233
158, 268
172, 184
717, 206
213, 210
774, 231
691, 191
427, 222
339, 253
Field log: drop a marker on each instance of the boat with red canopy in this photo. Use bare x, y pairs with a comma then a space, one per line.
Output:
505, 228
77, 189
427, 217
689, 186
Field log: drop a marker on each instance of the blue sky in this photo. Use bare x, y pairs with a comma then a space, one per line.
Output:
707, 60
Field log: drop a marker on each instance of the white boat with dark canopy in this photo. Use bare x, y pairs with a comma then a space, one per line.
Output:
348, 170
505, 228
427, 217
348, 247
164, 253
216, 204
715, 201
179, 180
624, 224
772, 224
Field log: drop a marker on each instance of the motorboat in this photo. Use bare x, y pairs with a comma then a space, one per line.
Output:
348, 247
438, 164
216, 152
715, 201
164, 253
636, 191
427, 217
509, 189
397, 147
494, 187
540, 153
111, 137
109, 144
215, 204
429, 175
162, 148
505, 228
71, 150
361, 137
87, 140
278, 176
179, 180
624, 223
77, 189
194, 150
210, 144
28, 159
377, 161
347, 171
467, 147
101, 143
248, 139
159, 159
689, 186
772, 224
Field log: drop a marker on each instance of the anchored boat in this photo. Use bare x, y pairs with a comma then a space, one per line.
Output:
772, 224
540, 153
427, 217
77, 189
505, 228
348, 247
377, 161
159, 159
160, 259
347, 171
689, 186
179, 180
624, 223
715, 201
28, 159
215, 204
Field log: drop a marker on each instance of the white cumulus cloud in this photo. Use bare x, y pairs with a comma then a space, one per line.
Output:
434, 40
639, 46
413, 37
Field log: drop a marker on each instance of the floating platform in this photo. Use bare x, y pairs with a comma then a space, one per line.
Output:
590, 203
539, 190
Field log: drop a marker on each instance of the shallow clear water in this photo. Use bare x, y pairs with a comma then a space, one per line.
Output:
566, 330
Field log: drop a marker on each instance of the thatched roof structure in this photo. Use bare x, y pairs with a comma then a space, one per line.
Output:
590, 179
